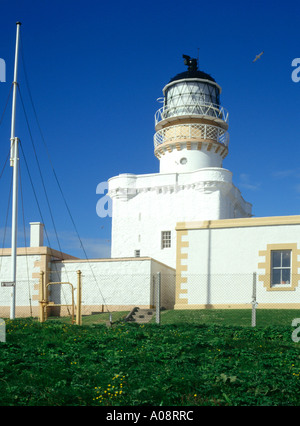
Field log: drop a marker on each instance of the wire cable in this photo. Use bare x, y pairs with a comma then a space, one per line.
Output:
25, 242
41, 215
55, 175
2, 116
6, 220
2, 171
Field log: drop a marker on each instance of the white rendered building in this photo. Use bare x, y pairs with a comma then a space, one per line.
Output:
188, 223
190, 142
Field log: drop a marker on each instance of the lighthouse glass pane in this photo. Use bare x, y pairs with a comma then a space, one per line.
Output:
186, 98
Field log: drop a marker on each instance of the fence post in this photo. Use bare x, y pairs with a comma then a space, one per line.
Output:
158, 282
2, 330
254, 303
78, 304
153, 292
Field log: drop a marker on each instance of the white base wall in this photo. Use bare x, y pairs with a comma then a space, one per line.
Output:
107, 285
146, 205
26, 285
216, 262
113, 284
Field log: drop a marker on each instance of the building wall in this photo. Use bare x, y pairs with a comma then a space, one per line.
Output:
107, 284
216, 261
31, 261
27, 283
146, 205
113, 284
168, 282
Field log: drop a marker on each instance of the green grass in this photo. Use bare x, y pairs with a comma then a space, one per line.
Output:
101, 318
236, 317
176, 364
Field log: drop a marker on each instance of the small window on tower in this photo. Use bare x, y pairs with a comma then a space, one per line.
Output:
166, 239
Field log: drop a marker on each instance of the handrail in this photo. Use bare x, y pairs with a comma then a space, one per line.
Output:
187, 132
203, 109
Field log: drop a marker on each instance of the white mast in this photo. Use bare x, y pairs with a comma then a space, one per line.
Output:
14, 162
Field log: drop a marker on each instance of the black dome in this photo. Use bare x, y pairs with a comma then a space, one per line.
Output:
193, 74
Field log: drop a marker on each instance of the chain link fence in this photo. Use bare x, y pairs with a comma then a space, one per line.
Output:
240, 299
27, 296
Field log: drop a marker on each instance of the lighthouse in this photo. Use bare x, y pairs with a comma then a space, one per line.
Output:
191, 140
192, 126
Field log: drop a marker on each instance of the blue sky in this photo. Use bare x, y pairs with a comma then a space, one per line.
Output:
95, 70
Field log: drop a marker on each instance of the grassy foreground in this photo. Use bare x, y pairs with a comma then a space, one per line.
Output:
168, 365
235, 317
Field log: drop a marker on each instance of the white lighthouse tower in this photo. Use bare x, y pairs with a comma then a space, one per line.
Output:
191, 127
190, 142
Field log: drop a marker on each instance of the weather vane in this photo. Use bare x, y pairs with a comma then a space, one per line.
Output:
192, 63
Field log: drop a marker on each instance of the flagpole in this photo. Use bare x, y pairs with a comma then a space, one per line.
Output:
14, 162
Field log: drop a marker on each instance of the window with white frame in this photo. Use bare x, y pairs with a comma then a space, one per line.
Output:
281, 267
165, 239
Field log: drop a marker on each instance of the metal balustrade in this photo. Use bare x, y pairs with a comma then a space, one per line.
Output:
189, 132
202, 109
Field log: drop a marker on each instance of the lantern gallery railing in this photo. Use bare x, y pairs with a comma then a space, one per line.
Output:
191, 132
203, 109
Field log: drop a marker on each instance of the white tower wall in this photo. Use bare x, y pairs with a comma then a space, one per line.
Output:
151, 204
190, 142
188, 161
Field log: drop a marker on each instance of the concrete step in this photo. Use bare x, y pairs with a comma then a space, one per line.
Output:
142, 316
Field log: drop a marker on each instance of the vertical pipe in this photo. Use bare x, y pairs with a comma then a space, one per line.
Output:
158, 281
15, 83
14, 228
254, 304
41, 297
78, 308
46, 295
153, 292
73, 308
14, 158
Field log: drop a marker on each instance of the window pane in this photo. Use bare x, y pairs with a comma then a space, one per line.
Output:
275, 279
286, 276
276, 259
286, 258
166, 239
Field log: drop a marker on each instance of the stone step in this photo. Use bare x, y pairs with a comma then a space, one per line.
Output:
142, 316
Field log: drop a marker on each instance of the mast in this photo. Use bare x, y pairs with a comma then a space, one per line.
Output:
14, 162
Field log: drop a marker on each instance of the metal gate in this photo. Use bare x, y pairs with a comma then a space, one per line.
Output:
45, 303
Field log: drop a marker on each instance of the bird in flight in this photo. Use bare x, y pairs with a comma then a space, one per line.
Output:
258, 56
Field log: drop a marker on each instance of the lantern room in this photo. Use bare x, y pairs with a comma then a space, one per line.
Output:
191, 127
